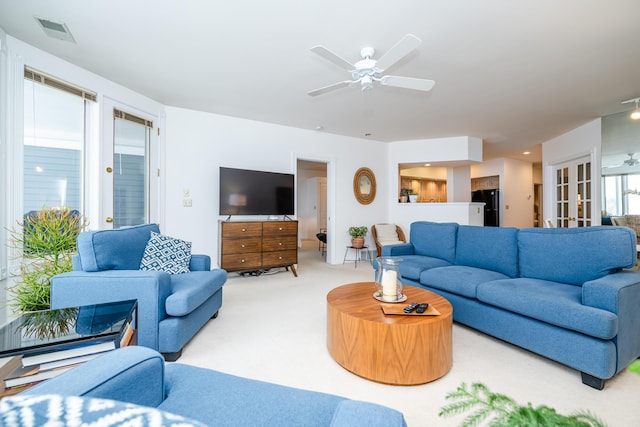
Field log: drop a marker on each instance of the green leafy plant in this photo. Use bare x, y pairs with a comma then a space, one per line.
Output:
46, 240
502, 411
358, 231
635, 367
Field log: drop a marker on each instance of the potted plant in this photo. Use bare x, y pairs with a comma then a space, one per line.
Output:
501, 410
413, 196
357, 236
47, 241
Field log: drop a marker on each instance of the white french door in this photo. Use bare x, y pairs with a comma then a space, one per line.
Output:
573, 194
129, 171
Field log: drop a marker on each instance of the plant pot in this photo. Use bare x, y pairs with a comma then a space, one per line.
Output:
403, 199
413, 198
357, 242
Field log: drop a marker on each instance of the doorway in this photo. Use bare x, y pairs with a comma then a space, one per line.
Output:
312, 206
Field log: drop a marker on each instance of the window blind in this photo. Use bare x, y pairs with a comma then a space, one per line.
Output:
47, 80
119, 114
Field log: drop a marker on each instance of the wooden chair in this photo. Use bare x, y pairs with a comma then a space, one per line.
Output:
385, 236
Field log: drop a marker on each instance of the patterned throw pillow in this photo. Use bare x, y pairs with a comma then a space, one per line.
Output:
56, 410
164, 253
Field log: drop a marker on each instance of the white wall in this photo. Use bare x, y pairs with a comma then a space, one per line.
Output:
198, 143
585, 140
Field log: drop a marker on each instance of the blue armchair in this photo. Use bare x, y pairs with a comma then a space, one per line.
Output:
171, 307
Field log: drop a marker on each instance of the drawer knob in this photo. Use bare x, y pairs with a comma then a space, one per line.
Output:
280, 244
242, 261
280, 228
279, 257
243, 246
244, 229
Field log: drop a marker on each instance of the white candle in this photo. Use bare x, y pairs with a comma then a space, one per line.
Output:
389, 285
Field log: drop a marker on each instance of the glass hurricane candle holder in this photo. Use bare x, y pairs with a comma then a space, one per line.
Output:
389, 280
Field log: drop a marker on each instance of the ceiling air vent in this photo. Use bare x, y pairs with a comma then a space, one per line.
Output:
56, 30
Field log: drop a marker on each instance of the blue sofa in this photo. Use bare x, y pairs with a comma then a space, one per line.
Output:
561, 293
164, 393
171, 307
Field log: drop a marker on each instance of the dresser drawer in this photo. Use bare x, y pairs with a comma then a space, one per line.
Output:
280, 228
278, 259
238, 262
241, 229
285, 243
241, 246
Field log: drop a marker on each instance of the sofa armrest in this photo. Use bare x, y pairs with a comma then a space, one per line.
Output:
619, 293
149, 288
130, 374
397, 250
356, 413
200, 262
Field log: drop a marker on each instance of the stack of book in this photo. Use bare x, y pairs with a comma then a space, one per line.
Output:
20, 372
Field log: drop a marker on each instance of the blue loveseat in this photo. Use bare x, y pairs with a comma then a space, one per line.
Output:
163, 394
561, 293
171, 307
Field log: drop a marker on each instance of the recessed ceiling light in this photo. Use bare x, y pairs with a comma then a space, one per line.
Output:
526, 153
427, 164
56, 30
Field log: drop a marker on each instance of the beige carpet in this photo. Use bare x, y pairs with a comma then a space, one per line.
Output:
273, 328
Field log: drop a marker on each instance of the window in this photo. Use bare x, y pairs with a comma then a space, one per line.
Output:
54, 135
620, 194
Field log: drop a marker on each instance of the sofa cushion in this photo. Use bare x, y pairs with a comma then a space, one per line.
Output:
56, 410
190, 290
386, 232
434, 239
458, 279
412, 265
575, 255
491, 248
164, 253
119, 249
555, 303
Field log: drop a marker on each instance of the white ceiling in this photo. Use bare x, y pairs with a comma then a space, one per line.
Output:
514, 73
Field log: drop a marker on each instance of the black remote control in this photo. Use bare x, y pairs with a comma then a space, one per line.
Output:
422, 307
408, 309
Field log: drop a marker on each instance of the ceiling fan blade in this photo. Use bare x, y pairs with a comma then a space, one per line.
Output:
398, 51
330, 56
329, 88
408, 83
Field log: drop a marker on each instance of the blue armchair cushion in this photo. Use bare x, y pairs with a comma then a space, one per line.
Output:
119, 249
164, 253
53, 409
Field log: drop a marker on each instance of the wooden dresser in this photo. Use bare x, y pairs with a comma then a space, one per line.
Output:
258, 245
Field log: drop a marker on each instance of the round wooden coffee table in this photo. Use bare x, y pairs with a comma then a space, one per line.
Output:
391, 349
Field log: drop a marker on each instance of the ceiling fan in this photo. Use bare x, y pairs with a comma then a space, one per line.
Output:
369, 70
631, 161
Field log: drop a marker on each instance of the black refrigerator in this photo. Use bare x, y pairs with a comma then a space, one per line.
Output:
491, 199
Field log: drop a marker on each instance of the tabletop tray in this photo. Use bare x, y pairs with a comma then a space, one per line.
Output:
398, 309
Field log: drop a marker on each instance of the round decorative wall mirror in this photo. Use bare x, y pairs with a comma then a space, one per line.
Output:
364, 185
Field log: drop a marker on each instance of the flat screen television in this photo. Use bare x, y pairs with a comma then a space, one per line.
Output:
252, 192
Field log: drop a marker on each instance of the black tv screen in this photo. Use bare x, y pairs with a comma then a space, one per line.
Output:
252, 192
